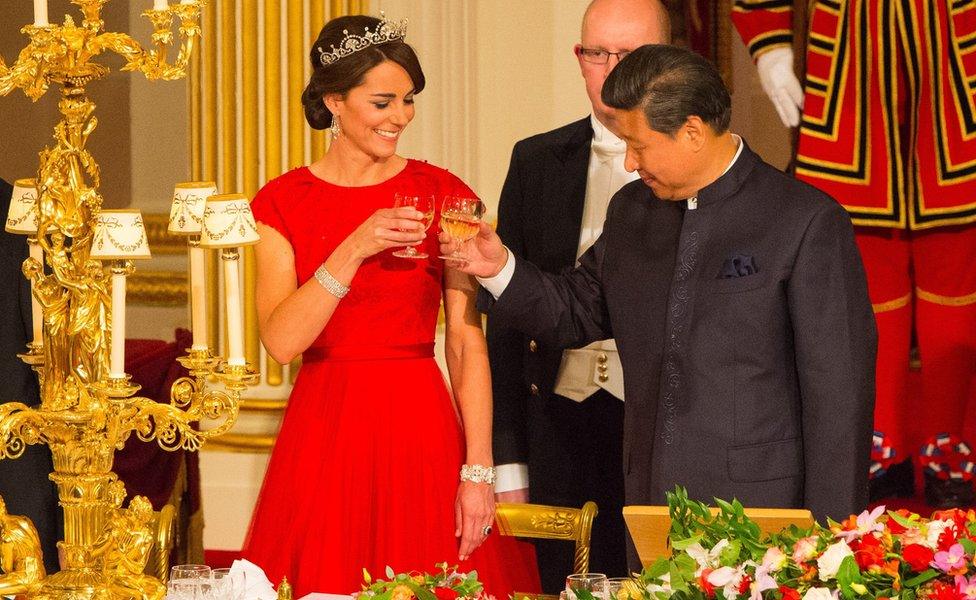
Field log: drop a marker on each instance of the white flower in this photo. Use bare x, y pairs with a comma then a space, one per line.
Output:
818, 594
728, 579
664, 586
829, 562
934, 530
706, 559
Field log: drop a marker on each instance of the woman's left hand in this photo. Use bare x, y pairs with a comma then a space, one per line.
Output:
474, 509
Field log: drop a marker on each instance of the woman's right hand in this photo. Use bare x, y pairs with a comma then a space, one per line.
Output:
387, 228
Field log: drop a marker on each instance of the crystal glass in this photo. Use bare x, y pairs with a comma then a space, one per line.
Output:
228, 585
594, 583
461, 218
189, 582
424, 204
622, 588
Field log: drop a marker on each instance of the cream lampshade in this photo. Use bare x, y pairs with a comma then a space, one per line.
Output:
120, 235
228, 224
22, 219
22, 216
189, 201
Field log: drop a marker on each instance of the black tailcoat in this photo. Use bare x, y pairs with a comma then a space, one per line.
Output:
573, 449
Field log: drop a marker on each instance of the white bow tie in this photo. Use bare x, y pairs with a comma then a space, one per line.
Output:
608, 149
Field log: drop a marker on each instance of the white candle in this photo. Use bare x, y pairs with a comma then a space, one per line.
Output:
232, 296
187, 1
117, 366
40, 13
198, 302
37, 315
160, 4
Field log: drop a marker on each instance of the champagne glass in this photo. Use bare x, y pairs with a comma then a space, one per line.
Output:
593, 583
461, 218
423, 204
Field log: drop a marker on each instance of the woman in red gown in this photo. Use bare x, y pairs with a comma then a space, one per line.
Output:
365, 470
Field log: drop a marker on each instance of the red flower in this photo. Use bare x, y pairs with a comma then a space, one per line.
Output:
744, 585
706, 587
868, 552
948, 538
956, 515
445, 593
918, 556
943, 591
894, 526
789, 593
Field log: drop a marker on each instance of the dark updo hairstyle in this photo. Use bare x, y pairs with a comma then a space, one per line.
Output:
349, 71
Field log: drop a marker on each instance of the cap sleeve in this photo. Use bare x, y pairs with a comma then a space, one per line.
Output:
265, 208
456, 187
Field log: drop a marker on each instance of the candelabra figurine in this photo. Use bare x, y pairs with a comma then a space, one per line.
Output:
88, 406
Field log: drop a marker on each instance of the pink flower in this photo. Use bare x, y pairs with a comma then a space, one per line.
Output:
952, 561
763, 582
805, 549
774, 560
966, 587
867, 522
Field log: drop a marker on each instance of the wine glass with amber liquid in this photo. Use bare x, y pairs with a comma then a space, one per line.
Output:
424, 205
461, 219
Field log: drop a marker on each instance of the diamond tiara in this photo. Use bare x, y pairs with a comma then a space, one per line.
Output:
386, 31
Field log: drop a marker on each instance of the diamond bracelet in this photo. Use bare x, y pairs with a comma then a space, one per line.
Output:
330, 283
478, 474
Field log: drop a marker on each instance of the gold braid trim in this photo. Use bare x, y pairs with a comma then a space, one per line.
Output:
945, 300
892, 304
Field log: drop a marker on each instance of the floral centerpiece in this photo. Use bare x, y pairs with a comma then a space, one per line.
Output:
446, 584
876, 555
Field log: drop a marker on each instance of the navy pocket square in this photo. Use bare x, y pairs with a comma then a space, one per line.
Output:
738, 266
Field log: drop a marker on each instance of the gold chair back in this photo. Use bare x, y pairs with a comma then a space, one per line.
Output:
545, 522
158, 564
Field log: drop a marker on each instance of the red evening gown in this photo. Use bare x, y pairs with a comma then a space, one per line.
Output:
364, 472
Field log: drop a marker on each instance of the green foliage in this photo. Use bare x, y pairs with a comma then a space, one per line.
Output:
421, 585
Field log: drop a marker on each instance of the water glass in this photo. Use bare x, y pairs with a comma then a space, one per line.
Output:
594, 583
189, 582
621, 588
228, 585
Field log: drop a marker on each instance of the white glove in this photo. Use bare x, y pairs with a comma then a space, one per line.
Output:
780, 84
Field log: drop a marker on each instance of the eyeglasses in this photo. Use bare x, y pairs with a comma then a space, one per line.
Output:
600, 57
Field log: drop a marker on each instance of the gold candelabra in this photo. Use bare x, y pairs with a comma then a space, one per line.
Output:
88, 410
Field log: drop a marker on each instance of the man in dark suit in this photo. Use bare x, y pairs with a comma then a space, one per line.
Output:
558, 415
737, 298
24, 484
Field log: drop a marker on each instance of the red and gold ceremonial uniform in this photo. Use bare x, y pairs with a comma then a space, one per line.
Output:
889, 130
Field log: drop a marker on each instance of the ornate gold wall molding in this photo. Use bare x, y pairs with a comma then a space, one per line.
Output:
162, 241
157, 288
